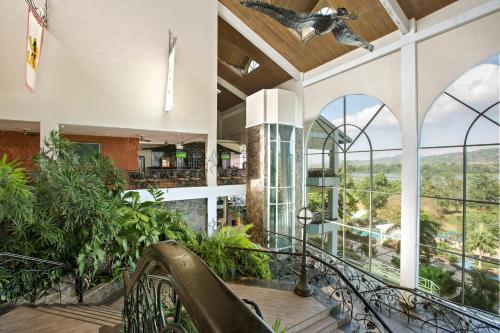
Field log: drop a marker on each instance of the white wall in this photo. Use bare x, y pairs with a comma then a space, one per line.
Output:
103, 63
380, 78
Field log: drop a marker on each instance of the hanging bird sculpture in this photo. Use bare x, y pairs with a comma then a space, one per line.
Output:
322, 24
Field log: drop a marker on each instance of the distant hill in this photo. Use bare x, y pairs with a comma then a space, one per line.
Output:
482, 156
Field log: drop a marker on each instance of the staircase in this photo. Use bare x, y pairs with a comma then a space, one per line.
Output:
324, 322
57, 318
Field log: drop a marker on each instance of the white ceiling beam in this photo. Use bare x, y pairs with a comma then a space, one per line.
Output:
468, 16
231, 88
233, 20
397, 15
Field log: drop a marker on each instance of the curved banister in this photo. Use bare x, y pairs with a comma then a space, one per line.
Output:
211, 305
489, 320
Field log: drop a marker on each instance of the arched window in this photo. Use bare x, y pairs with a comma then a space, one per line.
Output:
459, 189
353, 183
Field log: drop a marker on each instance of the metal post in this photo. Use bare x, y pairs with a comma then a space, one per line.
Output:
303, 288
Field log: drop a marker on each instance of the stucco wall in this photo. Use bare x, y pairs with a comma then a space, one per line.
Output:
19, 146
380, 78
103, 63
124, 152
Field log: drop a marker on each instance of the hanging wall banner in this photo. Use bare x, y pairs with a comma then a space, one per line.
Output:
33, 49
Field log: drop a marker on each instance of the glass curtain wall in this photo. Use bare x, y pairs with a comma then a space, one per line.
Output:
281, 179
353, 183
460, 189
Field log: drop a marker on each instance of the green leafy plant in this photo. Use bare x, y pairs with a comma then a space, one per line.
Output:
220, 252
482, 291
444, 279
23, 229
74, 192
277, 327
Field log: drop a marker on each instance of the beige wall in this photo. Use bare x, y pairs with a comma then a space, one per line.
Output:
103, 63
380, 78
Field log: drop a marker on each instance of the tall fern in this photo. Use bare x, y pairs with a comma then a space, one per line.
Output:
220, 253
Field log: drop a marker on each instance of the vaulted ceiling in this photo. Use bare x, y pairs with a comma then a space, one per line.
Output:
373, 22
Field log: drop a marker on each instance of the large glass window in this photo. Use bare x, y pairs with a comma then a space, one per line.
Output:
281, 179
459, 189
353, 183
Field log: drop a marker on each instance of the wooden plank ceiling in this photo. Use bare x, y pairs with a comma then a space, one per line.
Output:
226, 99
234, 49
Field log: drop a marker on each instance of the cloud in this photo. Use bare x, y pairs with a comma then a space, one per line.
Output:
479, 87
385, 119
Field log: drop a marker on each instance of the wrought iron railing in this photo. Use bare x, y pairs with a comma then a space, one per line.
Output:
173, 290
390, 273
165, 178
331, 287
26, 279
231, 176
404, 306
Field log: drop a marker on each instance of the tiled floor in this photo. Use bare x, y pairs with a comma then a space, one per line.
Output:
279, 304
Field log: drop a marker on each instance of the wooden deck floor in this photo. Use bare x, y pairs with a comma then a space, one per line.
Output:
274, 304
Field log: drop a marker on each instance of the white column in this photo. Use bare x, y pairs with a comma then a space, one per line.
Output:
46, 126
409, 167
212, 213
211, 165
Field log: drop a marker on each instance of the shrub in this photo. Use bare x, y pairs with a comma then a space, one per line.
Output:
144, 223
219, 252
74, 192
23, 229
444, 279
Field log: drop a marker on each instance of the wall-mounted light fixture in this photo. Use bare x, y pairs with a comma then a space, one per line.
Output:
169, 96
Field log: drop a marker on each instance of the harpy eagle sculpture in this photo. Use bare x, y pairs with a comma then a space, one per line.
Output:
322, 24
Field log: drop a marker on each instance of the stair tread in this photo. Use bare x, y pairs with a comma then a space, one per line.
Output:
322, 325
80, 316
90, 311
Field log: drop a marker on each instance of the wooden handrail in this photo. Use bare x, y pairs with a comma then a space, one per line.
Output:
212, 306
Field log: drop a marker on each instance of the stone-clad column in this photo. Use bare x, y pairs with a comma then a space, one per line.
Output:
256, 210
274, 162
299, 176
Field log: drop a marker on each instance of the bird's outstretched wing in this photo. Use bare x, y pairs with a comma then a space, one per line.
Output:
289, 18
345, 36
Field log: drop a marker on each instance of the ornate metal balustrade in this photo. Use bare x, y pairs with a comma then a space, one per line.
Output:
27, 279
166, 178
231, 176
172, 290
338, 280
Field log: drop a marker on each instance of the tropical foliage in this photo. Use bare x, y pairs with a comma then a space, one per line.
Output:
73, 210
220, 253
